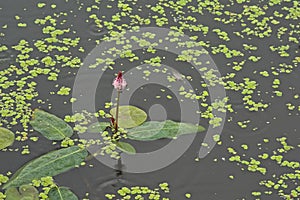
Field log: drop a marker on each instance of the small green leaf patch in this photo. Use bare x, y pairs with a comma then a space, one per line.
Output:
25, 192
6, 138
129, 116
153, 130
61, 193
126, 147
50, 164
50, 126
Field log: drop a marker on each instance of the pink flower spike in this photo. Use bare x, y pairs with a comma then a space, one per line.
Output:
119, 82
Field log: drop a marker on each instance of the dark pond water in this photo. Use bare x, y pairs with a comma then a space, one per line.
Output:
206, 179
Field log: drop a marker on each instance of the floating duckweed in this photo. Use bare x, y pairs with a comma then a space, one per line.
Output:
67, 142
280, 182
254, 58
24, 60
278, 93
79, 128
243, 124
256, 194
3, 179
263, 156
264, 73
140, 193
34, 139
290, 106
2, 196
72, 100
244, 146
255, 22
110, 196
250, 47
231, 150
41, 5
25, 150
266, 140
204, 144
216, 138
215, 121
64, 91
253, 165
3, 48
169, 97
108, 104
188, 195
221, 34
22, 25
46, 183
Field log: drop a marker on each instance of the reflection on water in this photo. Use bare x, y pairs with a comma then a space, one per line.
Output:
111, 183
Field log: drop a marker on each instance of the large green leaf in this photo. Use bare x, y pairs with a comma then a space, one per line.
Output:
129, 116
50, 126
6, 138
97, 127
153, 130
126, 147
61, 193
50, 164
25, 192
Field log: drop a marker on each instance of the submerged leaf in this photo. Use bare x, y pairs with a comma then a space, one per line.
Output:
129, 116
25, 192
6, 138
50, 126
61, 193
126, 147
154, 130
50, 164
98, 127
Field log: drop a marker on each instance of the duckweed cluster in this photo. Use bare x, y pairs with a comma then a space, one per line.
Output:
3, 179
18, 84
106, 140
141, 193
46, 183
283, 184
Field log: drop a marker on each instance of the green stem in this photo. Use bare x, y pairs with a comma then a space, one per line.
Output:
117, 111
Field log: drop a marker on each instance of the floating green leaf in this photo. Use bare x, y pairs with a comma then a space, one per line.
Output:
154, 130
126, 147
6, 138
50, 164
97, 127
129, 116
50, 126
25, 192
61, 193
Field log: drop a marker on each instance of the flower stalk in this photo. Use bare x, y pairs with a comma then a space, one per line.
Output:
117, 111
119, 84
